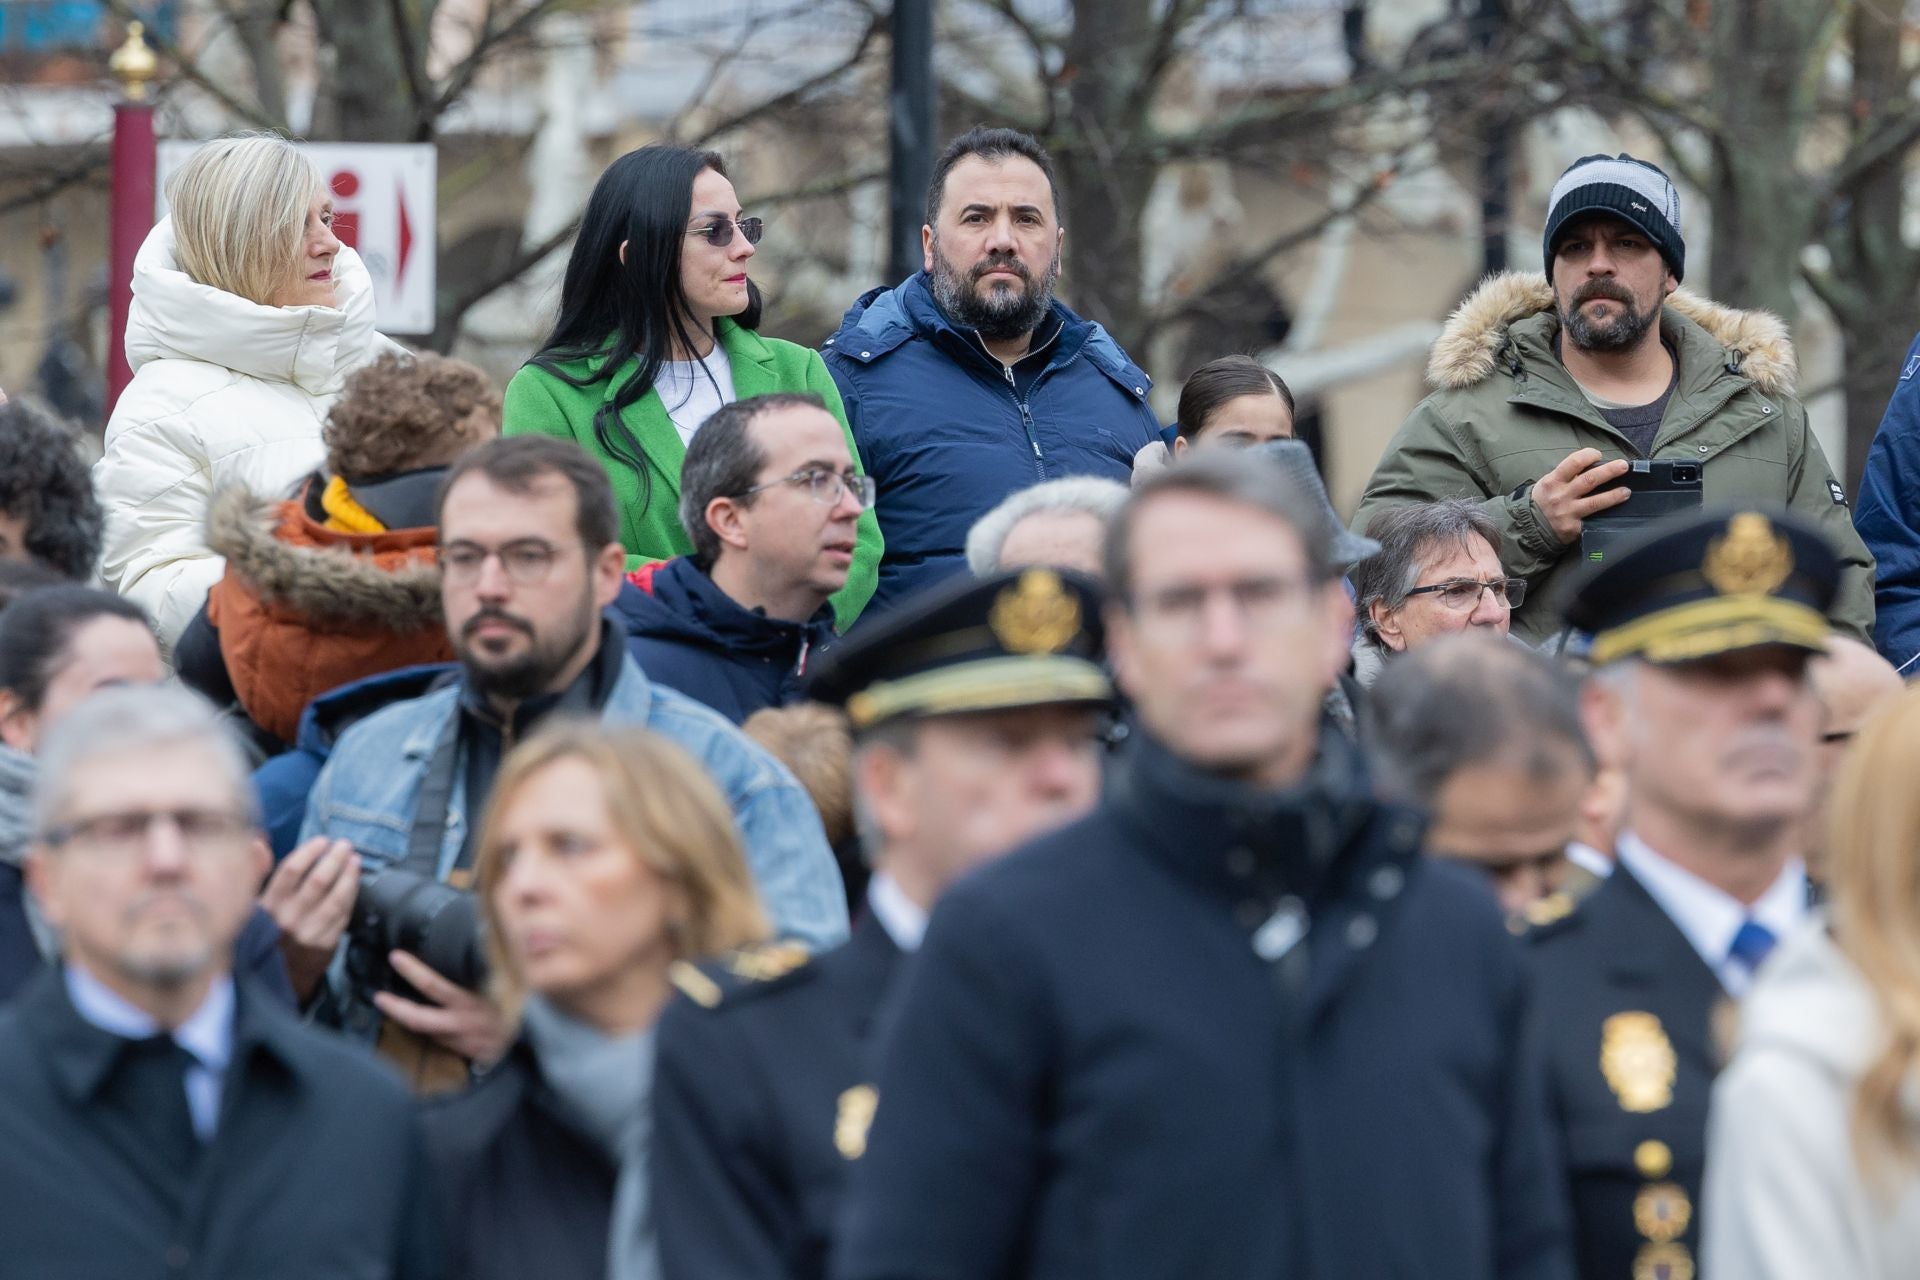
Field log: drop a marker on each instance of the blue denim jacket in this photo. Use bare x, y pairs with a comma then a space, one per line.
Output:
366, 792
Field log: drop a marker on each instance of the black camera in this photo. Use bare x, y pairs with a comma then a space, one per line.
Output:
401, 911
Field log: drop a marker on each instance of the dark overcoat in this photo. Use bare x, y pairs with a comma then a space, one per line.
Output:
316, 1170
762, 1096
525, 1192
1118, 1055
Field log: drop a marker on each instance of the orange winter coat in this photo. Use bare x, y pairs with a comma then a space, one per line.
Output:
303, 608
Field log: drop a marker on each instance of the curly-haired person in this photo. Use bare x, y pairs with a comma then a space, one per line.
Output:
340, 581
48, 514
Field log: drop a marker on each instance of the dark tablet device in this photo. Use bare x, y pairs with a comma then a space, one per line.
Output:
1661, 487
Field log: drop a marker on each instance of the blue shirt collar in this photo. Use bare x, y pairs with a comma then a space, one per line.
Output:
207, 1033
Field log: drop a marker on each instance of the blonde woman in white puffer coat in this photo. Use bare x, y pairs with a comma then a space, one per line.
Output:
248, 315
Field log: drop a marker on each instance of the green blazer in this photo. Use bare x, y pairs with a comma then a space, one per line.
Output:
538, 403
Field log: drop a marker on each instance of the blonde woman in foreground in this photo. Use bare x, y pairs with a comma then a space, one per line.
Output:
248, 315
606, 857
1813, 1149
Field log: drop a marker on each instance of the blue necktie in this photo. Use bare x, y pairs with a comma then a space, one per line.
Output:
1752, 944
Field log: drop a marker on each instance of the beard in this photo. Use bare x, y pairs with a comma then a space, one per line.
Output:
1003, 314
1619, 334
531, 670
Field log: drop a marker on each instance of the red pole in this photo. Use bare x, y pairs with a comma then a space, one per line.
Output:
132, 200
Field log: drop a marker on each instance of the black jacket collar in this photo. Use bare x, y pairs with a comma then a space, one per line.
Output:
588, 692
82, 1055
1299, 839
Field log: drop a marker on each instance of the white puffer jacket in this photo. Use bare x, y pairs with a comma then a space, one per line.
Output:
224, 391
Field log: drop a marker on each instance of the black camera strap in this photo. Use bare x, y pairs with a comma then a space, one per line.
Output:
430, 810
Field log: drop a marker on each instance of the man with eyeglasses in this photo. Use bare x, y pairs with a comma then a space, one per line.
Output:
976, 710
1486, 737
162, 1114
1231, 1024
530, 558
770, 498
1437, 572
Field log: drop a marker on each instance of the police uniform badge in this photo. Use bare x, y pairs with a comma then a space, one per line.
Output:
853, 1118
1638, 1061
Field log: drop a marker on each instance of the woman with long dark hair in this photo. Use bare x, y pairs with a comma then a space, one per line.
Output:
657, 329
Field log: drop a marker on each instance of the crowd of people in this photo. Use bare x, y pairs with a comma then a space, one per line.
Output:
718, 809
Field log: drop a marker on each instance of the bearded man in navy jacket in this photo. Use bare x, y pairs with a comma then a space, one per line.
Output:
970, 381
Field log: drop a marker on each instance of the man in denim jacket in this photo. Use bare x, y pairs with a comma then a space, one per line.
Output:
530, 558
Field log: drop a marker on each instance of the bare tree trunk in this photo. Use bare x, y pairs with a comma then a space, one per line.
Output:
375, 49
1874, 275
1105, 174
1762, 97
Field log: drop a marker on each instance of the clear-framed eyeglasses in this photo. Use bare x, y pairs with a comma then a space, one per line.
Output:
824, 486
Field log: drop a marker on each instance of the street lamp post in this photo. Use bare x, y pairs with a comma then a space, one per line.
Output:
131, 202
910, 125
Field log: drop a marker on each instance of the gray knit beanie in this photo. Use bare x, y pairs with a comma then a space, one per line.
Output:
1631, 190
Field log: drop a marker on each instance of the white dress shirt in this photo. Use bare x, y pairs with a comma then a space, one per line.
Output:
1708, 916
207, 1035
1589, 859
898, 914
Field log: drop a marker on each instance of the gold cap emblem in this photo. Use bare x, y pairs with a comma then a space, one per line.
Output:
1638, 1061
854, 1118
1037, 614
1749, 559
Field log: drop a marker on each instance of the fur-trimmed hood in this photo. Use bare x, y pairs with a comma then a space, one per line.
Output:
338, 579
1471, 343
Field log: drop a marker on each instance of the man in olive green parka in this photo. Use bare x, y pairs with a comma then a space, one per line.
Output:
1546, 386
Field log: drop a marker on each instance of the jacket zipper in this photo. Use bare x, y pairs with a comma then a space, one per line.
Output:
1026, 412
1026, 422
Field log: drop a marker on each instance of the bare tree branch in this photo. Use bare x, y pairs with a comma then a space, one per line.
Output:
824, 189
780, 101
186, 68
718, 67
451, 315
1159, 57
409, 50
1297, 114
461, 77
1242, 265
94, 159
1896, 133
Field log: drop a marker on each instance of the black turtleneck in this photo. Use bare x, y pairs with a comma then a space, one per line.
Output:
486, 736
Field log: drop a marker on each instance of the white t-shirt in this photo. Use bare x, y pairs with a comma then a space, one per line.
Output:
693, 389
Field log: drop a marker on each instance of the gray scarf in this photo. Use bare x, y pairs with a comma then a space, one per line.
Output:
16, 828
606, 1085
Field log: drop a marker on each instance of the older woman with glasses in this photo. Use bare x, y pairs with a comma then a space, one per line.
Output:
1437, 572
657, 329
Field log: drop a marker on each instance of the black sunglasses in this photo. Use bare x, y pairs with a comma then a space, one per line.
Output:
719, 233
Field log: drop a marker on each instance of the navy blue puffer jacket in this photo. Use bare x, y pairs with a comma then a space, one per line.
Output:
947, 431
